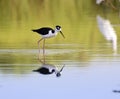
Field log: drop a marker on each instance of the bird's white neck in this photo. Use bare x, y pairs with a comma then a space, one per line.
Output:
56, 31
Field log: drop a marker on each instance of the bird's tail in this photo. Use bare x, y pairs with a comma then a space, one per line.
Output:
34, 30
35, 70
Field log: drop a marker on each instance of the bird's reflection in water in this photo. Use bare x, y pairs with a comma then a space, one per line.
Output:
47, 69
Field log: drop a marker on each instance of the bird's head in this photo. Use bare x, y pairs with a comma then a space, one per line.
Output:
58, 28
58, 72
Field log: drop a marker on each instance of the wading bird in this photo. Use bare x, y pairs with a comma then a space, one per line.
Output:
108, 31
99, 1
47, 32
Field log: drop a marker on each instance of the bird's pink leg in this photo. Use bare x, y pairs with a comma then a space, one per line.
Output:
39, 47
44, 50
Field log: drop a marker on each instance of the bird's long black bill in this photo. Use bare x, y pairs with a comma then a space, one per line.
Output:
62, 68
62, 34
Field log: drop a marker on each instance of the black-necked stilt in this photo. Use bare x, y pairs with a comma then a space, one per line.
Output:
47, 69
47, 32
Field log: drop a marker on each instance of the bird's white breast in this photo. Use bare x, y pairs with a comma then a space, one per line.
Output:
49, 35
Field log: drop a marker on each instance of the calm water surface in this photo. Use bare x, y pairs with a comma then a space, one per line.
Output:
92, 62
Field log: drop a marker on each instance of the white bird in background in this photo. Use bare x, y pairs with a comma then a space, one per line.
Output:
99, 1
108, 31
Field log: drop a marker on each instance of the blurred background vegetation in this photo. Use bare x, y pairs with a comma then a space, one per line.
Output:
77, 18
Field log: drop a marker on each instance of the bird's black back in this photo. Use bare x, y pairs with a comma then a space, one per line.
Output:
43, 70
43, 31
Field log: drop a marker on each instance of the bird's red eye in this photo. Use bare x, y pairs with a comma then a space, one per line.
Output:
58, 27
